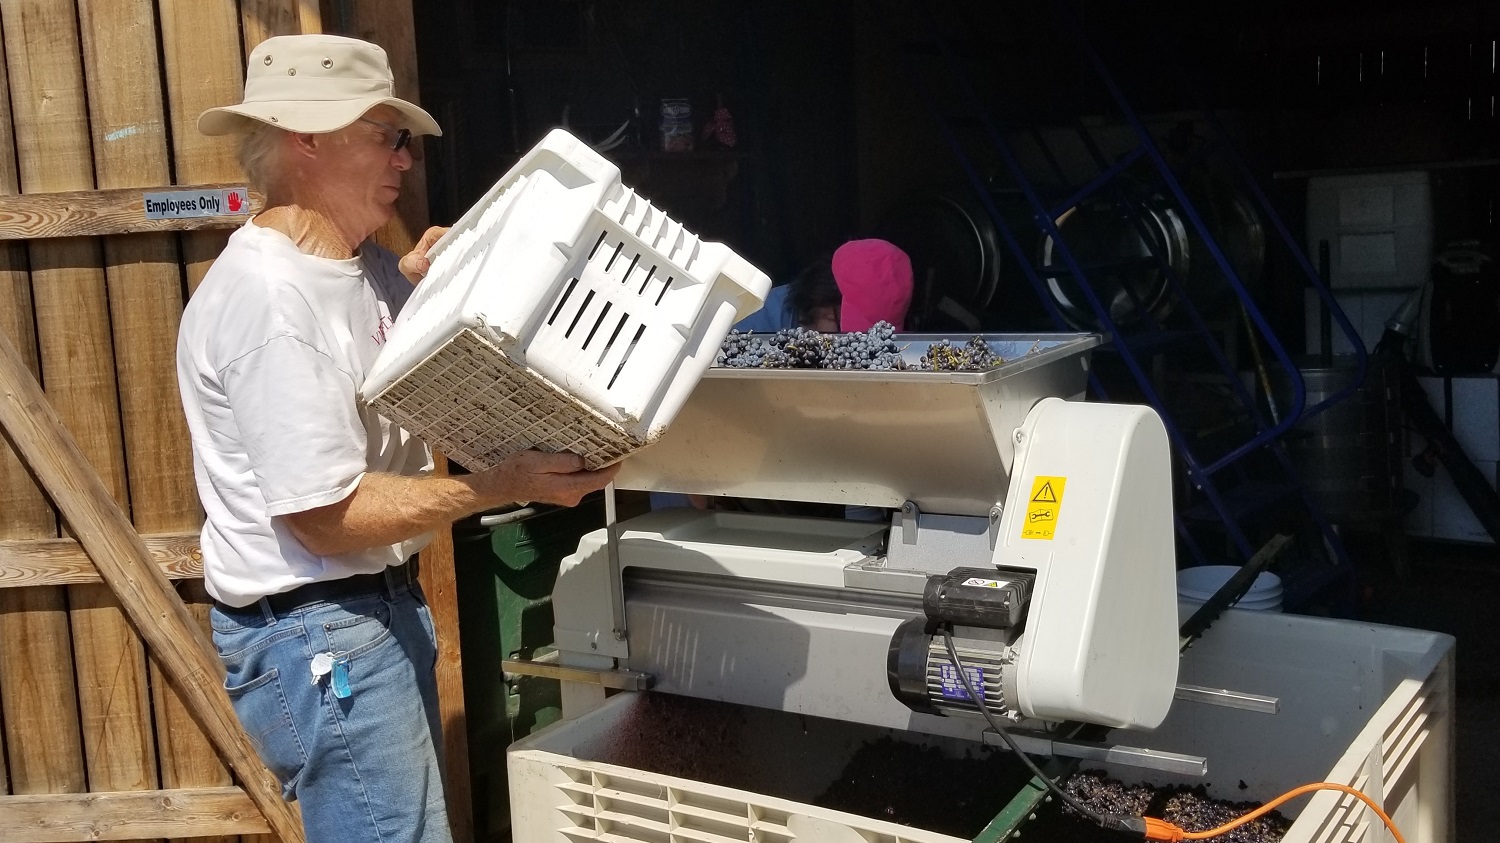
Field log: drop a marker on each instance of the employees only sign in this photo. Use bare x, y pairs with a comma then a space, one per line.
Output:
185, 204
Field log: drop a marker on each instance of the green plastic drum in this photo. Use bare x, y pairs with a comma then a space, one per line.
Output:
505, 577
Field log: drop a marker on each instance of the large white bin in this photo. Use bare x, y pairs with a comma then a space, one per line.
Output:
1364, 705
563, 312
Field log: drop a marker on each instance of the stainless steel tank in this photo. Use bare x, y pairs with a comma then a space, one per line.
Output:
1350, 455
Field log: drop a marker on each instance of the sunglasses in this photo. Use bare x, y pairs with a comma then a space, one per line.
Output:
403, 136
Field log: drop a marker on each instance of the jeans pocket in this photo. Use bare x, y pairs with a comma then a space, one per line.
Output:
359, 626
262, 708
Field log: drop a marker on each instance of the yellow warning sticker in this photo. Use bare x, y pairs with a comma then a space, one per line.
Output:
1043, 507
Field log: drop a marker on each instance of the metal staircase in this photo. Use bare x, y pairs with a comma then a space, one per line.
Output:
1138, 249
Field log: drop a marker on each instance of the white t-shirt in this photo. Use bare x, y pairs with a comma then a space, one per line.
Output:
273, 348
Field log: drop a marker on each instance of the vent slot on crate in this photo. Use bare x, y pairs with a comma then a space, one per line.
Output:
603, 312
567, 291
647, 280
619, 247
634, 341
597, 244
579, 315
624, 318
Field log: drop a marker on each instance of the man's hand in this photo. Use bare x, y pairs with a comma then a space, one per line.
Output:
414, 264
546, 478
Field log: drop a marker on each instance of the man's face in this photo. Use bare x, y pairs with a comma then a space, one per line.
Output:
359, 174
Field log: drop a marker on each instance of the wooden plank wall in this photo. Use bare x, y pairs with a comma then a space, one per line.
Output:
38, 703
99, 99
77, 360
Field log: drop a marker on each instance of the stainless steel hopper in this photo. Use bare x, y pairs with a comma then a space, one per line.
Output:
940, 439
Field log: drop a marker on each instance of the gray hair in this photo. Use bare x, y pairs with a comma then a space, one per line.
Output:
259, 153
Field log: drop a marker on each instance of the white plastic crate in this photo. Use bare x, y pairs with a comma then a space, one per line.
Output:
1363, 705
563, 312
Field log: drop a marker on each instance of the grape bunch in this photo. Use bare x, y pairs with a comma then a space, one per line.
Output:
973, 356
800, 348
874, 349
742, 351
806, 349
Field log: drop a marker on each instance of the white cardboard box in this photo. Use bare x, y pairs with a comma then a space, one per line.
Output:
1441, 512
1378, 227
1451, 516
1367, 310
1475, 417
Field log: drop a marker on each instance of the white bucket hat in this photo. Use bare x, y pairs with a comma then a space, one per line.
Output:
314, 84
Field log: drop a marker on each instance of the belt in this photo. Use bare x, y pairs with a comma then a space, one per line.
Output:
330, 591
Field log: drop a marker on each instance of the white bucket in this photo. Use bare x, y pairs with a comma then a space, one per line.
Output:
1196, 585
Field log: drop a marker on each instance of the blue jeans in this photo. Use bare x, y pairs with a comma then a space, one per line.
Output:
364, 766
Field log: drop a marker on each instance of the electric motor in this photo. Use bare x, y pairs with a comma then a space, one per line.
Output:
985, 609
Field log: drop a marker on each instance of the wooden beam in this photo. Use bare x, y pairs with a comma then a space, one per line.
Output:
390, 23
131, 815
73, 335
34, 632
27, 512
203, 66
309, 17
144, 278
44, 742
96, 213
55, 153
440, 585
188, 759
159, 616
64, 562
262, 19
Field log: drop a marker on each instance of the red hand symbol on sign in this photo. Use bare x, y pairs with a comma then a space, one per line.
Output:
235, 202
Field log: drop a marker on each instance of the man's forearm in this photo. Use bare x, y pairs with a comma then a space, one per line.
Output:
385, 509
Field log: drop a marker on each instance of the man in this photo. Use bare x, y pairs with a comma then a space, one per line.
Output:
315, 504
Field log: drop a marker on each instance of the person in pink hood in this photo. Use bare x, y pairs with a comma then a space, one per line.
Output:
865, 281
875, 282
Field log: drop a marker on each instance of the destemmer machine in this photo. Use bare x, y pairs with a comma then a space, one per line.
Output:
1029, 527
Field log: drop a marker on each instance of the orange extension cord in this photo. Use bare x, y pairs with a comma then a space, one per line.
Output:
1163, 830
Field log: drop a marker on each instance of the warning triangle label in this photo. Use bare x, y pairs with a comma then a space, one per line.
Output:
1044, 508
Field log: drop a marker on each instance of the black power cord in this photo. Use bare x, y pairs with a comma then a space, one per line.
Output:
1112, 822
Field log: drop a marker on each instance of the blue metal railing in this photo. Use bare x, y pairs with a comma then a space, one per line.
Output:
1023, 260
1271, 436
1249, 182
1268, 436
